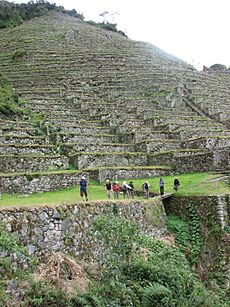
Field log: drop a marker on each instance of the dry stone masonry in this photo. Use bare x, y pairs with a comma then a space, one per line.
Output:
67, 227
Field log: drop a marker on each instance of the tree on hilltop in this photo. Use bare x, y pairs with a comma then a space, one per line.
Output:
12, 14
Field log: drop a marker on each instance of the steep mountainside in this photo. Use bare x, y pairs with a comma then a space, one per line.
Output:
111, 107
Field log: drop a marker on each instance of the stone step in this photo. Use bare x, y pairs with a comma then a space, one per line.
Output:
65, 125
15, 124
56, 110
22, 139
80, 129
32, 163
27, 149
28, 183
14, 131
67, 121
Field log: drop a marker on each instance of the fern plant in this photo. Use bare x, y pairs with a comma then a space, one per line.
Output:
156, 295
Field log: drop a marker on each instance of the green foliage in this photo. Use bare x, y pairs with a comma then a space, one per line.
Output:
156, 295
116, 237
12, 14
106, 26
219, 67
194, 226
31, 176
43, 294
9, 101
187, 234
19, 54
86, 299
12, 257
141, 271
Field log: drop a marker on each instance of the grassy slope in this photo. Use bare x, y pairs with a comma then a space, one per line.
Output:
191, 184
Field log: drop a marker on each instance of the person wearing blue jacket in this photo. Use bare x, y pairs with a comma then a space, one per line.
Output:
83, 188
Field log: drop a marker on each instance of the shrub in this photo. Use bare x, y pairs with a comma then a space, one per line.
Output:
13, 260
19, 54
43, 294
9, 101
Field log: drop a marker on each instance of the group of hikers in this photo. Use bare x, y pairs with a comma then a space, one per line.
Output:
127, 189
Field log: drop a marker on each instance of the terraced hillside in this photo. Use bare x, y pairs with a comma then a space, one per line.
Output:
105, 105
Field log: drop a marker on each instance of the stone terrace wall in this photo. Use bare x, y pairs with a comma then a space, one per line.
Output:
67, 227
38, 182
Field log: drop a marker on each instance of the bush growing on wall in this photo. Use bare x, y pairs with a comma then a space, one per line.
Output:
9, 101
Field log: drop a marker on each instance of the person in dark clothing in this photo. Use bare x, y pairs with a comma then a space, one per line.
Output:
145, 187
131, 189
176, 184
124, 189
108, 188
161, 185
83, 188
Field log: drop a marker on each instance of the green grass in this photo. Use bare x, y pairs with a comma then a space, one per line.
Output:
191, 184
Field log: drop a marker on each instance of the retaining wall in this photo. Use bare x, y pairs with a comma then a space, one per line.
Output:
67, 227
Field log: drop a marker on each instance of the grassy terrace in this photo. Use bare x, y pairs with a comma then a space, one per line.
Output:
191, 184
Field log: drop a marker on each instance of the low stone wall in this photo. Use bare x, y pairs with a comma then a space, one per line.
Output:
7, 139
115, 174
100, 147
184, 161
110, 159
86, 138
209, 142
11, 163
67, 227
26, 149
158, 145
40, 182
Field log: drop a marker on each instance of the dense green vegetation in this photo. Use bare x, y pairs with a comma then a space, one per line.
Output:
134, 270
10, 250
9, 100
13, 14
191, 184
187, 234
106, 25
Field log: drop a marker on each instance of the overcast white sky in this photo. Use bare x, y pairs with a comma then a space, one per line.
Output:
196, 31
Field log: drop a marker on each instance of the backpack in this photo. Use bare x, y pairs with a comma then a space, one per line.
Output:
115, 187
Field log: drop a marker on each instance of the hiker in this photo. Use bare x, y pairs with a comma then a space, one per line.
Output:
161, 185
116, 189
83, 188
131, 190
124, 189
145, 187
176, 184
108, 188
